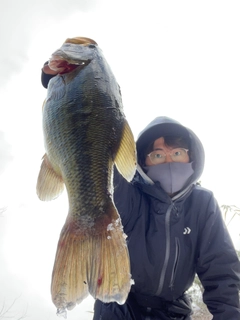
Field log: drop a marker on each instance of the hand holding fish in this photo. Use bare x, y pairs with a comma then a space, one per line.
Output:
85, 135
46, 69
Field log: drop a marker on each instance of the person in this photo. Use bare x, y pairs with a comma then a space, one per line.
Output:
174, 231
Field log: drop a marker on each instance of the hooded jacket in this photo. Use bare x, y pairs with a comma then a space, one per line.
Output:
172, 239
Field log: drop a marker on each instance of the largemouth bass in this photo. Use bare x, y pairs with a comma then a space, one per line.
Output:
85, 134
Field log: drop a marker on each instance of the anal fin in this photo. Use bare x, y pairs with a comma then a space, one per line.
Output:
49, 183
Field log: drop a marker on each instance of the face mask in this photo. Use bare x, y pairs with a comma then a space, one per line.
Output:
172, 175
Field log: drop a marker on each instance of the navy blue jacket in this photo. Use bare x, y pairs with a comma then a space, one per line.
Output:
172, 239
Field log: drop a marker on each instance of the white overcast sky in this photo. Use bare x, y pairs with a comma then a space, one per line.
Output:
174, 58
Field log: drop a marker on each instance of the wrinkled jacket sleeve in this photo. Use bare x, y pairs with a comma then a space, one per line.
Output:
218, 266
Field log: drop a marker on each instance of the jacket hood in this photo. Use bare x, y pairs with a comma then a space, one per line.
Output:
164, 126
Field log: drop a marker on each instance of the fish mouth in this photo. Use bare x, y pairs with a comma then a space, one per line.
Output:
70, 56
64, 63
77, 51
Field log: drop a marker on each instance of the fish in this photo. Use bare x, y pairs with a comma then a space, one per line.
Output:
86, 135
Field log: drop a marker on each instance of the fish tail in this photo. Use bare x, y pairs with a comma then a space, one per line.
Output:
110, 278
95, 261
68, 286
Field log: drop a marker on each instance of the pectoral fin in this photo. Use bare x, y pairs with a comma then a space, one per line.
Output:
49, 183
125, 159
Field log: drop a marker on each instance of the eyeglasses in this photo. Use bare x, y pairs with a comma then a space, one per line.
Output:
177, 155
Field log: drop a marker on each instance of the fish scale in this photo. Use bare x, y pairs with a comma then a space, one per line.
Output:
85, 135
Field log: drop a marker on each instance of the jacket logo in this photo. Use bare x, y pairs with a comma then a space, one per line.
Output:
187, 230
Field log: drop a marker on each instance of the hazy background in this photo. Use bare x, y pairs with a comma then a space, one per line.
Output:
174, 58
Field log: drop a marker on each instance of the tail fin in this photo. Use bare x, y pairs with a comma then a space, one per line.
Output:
94, 261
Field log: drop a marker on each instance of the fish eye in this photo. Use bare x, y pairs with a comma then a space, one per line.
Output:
92, 46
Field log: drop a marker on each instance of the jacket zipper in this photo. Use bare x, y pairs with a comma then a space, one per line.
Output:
167, 254
176, 259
